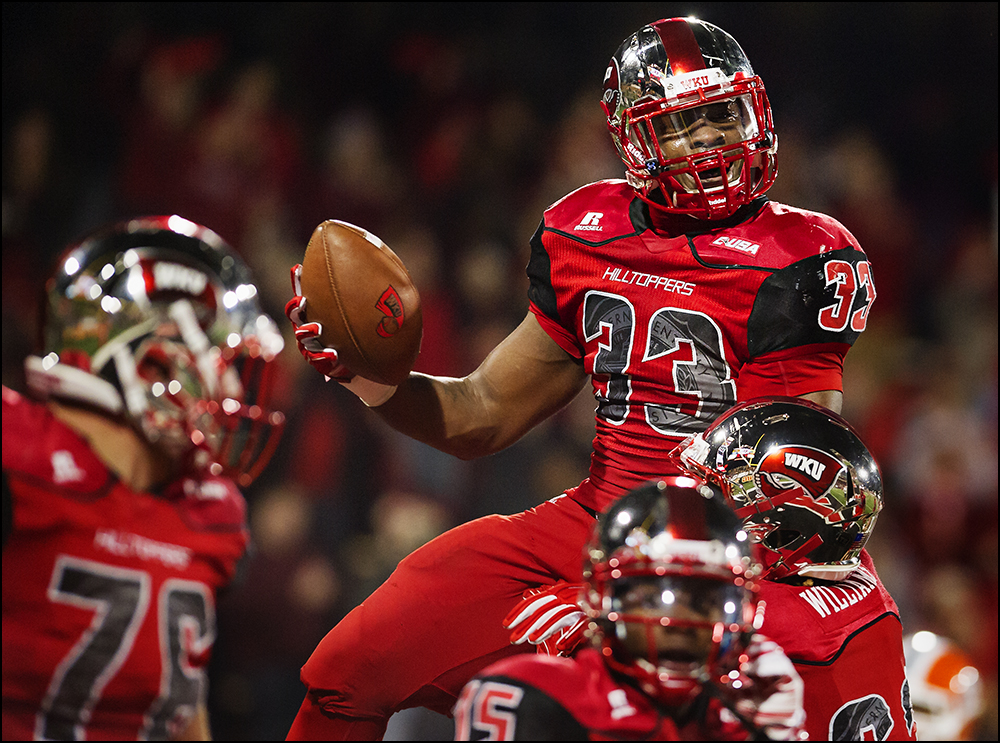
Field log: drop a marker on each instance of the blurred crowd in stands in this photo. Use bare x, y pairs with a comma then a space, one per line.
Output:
446, 133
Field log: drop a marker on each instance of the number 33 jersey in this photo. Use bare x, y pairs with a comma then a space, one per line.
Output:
676, 319
108, 593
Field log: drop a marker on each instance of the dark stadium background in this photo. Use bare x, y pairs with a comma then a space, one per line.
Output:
446, 128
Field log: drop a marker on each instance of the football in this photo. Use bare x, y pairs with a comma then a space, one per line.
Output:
363, 296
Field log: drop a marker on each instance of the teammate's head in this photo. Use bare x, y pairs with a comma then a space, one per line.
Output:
156, 321
945, 688
672, 583
690, 119
805, 485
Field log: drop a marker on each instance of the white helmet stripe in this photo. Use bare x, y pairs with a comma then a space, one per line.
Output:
183, 314
135, 393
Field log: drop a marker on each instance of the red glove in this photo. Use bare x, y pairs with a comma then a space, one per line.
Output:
322, 359
550, 618
774, 696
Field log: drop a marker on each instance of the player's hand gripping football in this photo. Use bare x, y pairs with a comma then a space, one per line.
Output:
323, 359
775, 699
549, 618
307, 335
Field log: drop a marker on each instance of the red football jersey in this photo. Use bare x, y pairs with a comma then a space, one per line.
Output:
108, 593
676, 320
846, 641
543, 697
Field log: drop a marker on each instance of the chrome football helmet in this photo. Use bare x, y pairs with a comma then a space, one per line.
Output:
806, 486
946, 690
156, 320
671, 580
690, 119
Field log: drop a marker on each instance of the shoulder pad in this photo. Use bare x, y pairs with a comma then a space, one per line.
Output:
593, 213
543, 671
38, 447
806, 233
775, 237
514, 707
823, 298
209, 504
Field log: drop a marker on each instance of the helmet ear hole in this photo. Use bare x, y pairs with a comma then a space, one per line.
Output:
783, 539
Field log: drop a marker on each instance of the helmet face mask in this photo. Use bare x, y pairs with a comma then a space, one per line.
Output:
690, 120
675, 141
808, 490
156, 320
176, 403
670, 624
672, 583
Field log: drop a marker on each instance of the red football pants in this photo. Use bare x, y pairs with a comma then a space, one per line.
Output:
436, 621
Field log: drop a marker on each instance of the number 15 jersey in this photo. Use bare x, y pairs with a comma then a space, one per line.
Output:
676, 319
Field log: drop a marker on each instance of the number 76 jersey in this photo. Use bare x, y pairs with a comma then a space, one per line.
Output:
676, 319
108, 592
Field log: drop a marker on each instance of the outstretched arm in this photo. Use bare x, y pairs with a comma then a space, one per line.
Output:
523, 381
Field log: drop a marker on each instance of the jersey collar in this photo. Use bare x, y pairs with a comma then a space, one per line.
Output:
673, 225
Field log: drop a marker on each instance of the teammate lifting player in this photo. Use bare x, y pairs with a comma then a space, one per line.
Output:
671, 587
809, 492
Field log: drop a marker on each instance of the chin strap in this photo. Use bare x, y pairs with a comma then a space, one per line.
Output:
787, 565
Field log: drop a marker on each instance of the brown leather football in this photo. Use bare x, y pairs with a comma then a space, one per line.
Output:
363, 296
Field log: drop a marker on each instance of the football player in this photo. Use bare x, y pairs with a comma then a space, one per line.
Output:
146, 408
946, 690
676, 291
670, 581
809, 493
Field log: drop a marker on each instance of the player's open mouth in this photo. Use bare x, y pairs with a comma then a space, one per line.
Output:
712, 179
710, 183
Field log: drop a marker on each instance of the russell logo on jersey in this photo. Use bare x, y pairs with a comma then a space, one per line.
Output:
590, 222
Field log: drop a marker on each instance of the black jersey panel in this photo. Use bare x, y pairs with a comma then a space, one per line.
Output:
798, 305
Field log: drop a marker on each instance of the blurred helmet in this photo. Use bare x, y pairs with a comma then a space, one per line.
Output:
945, 689
156, 320
688, 115
671, 581
806, 487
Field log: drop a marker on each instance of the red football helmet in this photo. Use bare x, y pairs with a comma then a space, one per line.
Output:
806, 486
671, 580
690, 119
157, 320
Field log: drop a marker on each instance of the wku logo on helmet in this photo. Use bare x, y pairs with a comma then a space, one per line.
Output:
170, 278
786, 471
